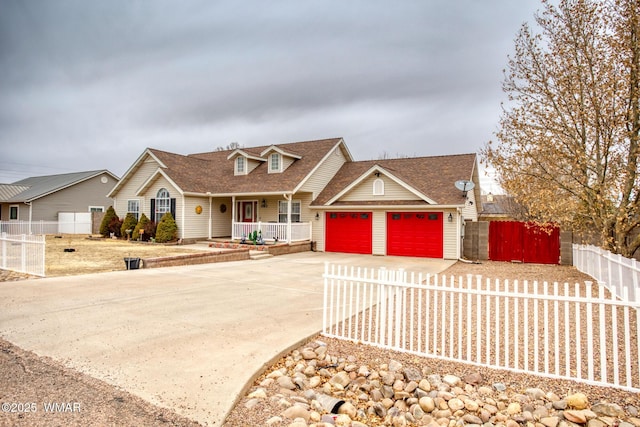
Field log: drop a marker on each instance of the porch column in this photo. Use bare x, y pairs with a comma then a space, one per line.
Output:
210, 213
233, 215
288, 199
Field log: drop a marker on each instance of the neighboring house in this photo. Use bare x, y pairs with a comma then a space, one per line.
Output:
43, 198
498, 207
310, 190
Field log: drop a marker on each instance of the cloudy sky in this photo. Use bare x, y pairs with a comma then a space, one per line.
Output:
89, 85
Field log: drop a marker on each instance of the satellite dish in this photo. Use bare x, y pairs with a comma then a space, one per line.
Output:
464, 186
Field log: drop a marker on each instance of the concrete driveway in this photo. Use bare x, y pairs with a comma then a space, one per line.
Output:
186, 338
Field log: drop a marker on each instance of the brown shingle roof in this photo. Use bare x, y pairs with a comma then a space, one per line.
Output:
213, 172
432, 176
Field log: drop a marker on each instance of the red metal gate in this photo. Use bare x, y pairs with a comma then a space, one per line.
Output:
524, 241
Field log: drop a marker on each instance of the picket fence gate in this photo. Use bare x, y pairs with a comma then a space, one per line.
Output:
579, 332
23, 253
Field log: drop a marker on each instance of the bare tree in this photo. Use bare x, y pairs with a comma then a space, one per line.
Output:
567, 146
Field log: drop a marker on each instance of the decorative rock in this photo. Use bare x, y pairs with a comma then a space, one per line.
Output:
341, 378
577, 401
412, 374
395, 366
513, 408
456, 404
427, 404
259, 393
499, 387
347, 409
596, 422
424, 385
471, 419
451, 380
559, 405
297, 411
608, 410
474, 378
550, 421
273, 420
575, 416
286, 382
535, 393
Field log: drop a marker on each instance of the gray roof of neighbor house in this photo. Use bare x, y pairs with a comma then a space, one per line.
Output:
213, 172
433, 177
33, 188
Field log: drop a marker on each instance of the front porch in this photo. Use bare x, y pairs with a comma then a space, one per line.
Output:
273, 231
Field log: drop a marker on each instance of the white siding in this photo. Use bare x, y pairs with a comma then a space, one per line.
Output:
450, 249
195, 225
221, 221
392, 191
132, 185
325, 172
470, 211
379, 230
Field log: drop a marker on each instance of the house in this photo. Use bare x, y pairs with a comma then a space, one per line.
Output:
311, 190
499, 207
46, 198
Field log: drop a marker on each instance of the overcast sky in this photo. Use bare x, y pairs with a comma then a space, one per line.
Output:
89, 85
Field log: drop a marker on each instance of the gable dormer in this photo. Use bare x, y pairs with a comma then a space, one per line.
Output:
243, 162
278, 160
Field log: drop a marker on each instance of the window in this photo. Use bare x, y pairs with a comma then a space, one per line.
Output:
295, 211
133, 206
13, 212
378, 187
163, 203
274, 162
96, 208
240, 165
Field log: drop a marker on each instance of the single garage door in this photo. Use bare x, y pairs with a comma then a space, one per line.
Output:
348, 232
417, 234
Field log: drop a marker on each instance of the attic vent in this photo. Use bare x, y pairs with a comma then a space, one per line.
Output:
378, 187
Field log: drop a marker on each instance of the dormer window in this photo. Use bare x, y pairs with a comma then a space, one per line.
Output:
275, 163
241, 166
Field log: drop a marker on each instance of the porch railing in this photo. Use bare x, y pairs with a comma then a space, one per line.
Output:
271, 231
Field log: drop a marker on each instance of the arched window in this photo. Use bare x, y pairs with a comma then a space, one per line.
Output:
378, 187
163, 203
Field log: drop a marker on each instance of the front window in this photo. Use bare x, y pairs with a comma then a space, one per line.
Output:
133, 206
163, 203
274, 163
295, 211
240, 165
13, 212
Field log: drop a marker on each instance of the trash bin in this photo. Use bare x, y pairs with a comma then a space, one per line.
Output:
132, 263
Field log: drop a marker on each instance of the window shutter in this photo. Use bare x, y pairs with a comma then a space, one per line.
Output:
173, 208
153, 210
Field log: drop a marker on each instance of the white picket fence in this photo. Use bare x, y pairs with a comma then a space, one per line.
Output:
579, 332
612, 270
68, 224
23, 253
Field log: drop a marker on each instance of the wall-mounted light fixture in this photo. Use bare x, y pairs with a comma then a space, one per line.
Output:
377, 173
450, 218
317, 216
264, 203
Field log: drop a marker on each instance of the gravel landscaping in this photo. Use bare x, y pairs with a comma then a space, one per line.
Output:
378, 387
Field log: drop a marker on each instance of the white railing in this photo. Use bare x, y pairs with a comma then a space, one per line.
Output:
45, 227
271, 231
579, 332
614, 271
23, 253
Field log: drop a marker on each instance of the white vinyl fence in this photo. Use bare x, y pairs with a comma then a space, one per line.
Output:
613, 271
69, 223
22, 253
580, 332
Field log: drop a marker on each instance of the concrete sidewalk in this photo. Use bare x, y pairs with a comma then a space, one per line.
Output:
186, 338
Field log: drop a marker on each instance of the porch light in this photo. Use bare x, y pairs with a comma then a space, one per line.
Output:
264, 203
317, 216
450, 217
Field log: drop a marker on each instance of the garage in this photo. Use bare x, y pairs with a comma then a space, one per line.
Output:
418, 234
348, 232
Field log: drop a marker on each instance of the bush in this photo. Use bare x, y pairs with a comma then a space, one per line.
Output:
150, 231
167, 229
142, 222
115, 226
106, 222
129, 223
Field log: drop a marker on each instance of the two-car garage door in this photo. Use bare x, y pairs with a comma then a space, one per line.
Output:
417, 234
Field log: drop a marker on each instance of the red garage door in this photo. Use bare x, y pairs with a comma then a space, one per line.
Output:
348, 232
415, 234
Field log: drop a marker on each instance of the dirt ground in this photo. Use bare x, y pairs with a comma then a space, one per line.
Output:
94, 255
30, 384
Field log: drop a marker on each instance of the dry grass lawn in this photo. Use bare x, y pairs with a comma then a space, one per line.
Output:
97, 254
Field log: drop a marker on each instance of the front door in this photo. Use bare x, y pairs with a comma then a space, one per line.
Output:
247, 211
